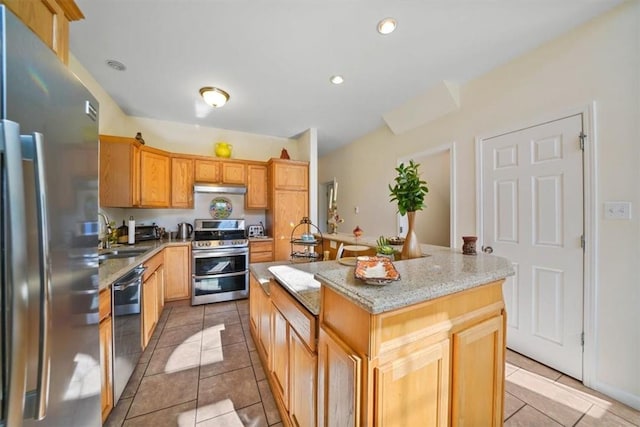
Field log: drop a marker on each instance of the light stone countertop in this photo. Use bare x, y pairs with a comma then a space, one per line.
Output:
112, 269
445, 271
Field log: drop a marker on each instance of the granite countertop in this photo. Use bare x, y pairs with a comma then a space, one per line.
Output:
112, 269
444, 271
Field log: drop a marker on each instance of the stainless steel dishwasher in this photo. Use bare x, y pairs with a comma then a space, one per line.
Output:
127, 328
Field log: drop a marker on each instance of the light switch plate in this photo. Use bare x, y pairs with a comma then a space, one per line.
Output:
617, 210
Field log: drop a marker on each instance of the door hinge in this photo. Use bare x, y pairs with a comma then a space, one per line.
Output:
582, 339
582, 138
582, 242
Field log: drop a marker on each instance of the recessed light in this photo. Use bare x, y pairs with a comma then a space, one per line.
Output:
337, 79
386, 26
116, 65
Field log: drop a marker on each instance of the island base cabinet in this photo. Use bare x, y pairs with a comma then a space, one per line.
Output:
339, 376
403, 380
280, 355
106, 363
478, 374
302, 369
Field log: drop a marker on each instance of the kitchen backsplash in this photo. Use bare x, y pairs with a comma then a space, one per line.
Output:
170, 218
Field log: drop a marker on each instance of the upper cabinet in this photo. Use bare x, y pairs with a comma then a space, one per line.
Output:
256, 197
155, 178
49, 19
119, 172
234, 172
182, 175
133, 175
290, 175
207, 170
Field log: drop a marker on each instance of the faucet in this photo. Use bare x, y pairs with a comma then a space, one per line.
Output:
105, 242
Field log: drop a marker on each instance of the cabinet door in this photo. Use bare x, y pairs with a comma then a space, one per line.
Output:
280, 354
303, 371
265, 327
339, 379
155, 177
478, 374
118, 180
426, 373
291, 176
233, 173
207, 171
177, 264
256, 197
288, 209
149, 308
255, 294
181, 182
106, 366
160, 285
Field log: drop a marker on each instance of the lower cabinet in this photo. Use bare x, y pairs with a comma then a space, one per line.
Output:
106, 352
152, 288
177, 263
303, 365
280, 355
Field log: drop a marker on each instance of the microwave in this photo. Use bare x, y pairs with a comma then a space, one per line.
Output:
147, 232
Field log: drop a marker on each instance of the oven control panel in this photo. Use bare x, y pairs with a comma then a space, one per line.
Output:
205, 244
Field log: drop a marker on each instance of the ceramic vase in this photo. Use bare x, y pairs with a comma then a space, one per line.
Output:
411, 247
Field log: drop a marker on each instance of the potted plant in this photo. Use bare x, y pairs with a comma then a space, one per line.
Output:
409, 191
383, 248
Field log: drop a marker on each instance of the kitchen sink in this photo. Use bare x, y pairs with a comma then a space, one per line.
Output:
107, 254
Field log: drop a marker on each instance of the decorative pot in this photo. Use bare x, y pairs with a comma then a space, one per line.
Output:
223, 149
411, 247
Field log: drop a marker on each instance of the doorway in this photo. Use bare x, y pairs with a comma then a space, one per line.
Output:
435, 224
532, 210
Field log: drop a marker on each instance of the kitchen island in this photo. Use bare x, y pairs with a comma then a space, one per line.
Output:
425, 350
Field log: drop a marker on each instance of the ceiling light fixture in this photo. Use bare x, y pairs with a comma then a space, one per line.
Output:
337, 79
386, 26
214, 96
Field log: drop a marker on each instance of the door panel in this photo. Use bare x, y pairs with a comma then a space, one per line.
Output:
533, 215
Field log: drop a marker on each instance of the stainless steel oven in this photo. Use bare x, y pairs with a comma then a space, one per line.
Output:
220, 261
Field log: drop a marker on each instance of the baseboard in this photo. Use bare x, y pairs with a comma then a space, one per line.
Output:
619, 395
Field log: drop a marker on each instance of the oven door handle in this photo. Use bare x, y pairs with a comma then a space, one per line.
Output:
220, 253
215, 276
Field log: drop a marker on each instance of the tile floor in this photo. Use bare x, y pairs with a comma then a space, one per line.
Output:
201, 369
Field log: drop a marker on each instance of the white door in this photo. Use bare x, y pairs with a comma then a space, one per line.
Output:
533, 215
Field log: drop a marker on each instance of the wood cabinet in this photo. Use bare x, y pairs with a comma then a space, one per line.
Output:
106, 352
207, 170
234, 172
288, 202
260, 318
182, 178
280, 356
260, 250
155, 178
49, 20
177, 265
152, 285
256, 197
119, 172
449, 352
132, 175
303, 365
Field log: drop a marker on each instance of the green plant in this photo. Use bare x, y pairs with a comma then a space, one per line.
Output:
409, 190
383, 247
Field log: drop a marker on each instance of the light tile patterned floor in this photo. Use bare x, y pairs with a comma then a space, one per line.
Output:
201, 369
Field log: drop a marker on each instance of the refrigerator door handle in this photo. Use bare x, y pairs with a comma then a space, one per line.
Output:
15, 264
33, 149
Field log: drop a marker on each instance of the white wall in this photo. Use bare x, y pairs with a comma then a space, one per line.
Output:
599, 61
308, 149
432, 223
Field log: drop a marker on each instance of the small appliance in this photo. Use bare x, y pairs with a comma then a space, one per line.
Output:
255, 230
147, 232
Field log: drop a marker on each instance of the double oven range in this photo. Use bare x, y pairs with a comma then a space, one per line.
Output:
220, 261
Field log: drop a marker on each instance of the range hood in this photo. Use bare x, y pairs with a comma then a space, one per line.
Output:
206, 187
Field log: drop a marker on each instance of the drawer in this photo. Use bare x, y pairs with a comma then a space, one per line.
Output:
298, 317
265, 246
104, 304
152, 265
260, 256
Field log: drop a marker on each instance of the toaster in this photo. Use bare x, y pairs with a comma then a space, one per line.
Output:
255, 231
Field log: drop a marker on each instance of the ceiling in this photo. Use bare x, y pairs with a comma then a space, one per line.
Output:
275, 58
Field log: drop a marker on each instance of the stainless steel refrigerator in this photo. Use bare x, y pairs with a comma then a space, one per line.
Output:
49, 342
